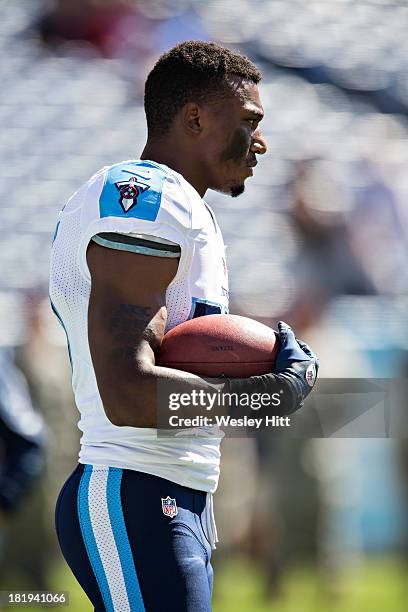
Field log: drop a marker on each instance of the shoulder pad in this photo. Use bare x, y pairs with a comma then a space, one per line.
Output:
132, 189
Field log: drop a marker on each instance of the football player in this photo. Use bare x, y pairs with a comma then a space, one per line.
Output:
137, 251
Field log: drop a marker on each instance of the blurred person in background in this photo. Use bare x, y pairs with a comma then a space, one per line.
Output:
137, 251
291, 515
132, 32
22, 463
323, 221
83, 20
319, 217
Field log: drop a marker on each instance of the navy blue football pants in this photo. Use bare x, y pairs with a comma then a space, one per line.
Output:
128, 548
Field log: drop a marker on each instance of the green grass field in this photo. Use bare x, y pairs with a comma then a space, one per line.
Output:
376, 586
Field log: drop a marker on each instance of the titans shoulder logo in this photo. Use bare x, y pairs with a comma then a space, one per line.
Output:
129, 192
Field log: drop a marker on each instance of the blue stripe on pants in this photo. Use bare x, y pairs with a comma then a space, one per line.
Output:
122, 541
89, 538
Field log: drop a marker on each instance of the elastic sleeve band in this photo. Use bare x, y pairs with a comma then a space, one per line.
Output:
142, 244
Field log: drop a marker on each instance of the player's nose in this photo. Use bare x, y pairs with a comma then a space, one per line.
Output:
258, 146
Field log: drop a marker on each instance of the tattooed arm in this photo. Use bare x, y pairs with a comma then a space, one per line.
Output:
126, 321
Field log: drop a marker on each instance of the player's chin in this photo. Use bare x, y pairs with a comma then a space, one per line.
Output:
232, 186
237, 187
236, 190
233, 189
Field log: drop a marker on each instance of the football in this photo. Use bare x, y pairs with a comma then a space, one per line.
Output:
220, 344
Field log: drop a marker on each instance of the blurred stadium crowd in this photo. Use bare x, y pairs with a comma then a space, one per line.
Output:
319, 238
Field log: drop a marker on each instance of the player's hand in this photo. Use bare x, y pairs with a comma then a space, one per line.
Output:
296, 363
293, 378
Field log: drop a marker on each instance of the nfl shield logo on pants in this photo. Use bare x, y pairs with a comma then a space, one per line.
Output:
169, 506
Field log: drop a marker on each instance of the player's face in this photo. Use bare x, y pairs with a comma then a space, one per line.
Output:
237, 140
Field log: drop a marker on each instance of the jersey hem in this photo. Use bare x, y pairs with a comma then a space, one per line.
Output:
180, 481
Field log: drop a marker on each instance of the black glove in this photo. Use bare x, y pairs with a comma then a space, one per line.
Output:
294, 377
296, 363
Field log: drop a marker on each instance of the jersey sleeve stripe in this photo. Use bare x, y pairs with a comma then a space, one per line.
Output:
122, 242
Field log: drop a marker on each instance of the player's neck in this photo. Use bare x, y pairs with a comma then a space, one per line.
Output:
164, 153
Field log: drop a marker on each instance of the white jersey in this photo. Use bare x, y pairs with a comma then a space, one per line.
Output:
138, 197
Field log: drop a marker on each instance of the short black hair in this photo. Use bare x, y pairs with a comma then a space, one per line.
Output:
193, 71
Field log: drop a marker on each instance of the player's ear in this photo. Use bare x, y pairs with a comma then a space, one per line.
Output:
191, 118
